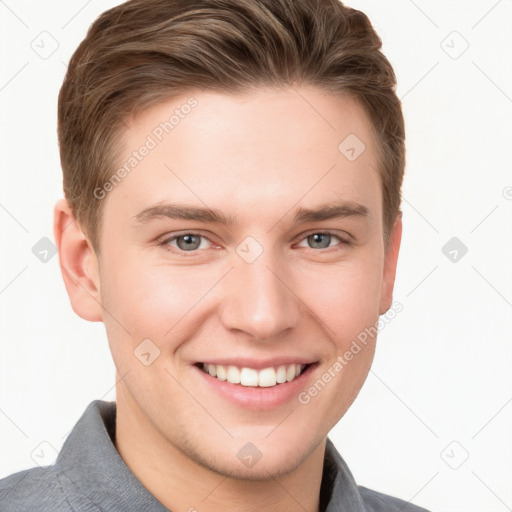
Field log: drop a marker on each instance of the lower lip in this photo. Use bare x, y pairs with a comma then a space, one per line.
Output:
257, 398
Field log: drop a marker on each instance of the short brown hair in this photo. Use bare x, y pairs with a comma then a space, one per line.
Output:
146, 51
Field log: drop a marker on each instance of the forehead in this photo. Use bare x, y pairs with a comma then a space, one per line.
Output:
253, 151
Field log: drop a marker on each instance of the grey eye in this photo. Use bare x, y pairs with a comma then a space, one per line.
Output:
319, 240
188, 242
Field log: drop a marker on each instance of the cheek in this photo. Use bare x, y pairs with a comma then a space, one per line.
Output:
346, 297
346, 300
157, 302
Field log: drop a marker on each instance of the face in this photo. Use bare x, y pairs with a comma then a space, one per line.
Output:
213, 258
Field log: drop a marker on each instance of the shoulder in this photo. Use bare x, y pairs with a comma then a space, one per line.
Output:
377, 502
36, 489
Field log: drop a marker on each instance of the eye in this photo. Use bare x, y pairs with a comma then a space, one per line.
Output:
186, 242
193, 242
323, 239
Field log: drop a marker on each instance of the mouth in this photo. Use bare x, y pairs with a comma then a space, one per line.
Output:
268, 377
256, 385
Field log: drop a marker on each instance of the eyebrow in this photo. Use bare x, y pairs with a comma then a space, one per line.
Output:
339, 209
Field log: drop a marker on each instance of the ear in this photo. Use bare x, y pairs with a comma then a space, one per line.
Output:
78, 263
390, 261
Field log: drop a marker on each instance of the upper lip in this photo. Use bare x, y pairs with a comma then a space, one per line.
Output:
242, 362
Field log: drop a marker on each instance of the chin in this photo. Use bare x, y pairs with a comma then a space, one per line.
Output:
263, 470
243, 460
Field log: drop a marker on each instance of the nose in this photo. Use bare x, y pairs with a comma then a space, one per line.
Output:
259, 299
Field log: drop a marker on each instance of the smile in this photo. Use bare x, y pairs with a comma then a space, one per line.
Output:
264, 378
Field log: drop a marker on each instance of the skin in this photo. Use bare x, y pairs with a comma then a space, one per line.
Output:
257, 156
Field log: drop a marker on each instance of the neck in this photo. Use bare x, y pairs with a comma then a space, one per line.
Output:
181, 484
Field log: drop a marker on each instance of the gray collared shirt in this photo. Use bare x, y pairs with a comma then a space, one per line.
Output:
89, 475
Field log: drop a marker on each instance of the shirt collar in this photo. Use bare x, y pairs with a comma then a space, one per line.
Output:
341, 491
94, 477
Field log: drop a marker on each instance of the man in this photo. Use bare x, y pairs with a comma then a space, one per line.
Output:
232, 173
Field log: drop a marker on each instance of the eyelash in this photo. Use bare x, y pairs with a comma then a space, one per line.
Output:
166, 242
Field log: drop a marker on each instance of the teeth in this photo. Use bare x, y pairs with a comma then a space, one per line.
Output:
222, 374
281, 374
248, 377
266, 378
233, 374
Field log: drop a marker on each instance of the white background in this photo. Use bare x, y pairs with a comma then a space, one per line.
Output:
440, 389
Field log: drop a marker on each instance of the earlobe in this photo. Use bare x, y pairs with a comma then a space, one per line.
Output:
78, 263
390, 262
